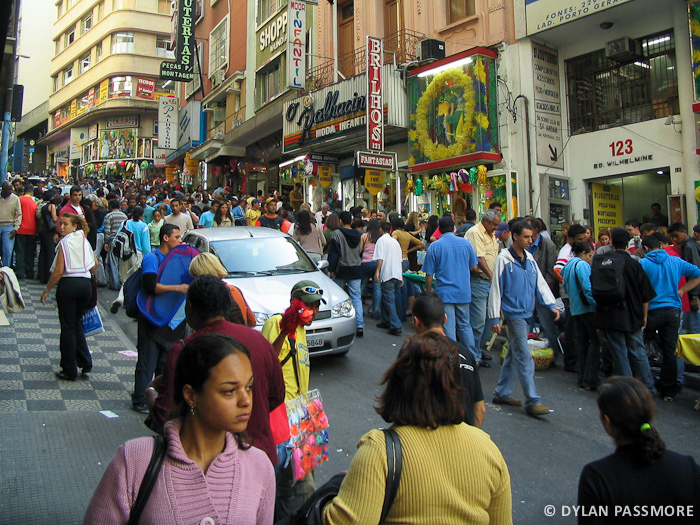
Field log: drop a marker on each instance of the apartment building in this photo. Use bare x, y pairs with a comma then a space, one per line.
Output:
105, 87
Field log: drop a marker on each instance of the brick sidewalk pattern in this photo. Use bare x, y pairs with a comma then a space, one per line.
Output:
29, 356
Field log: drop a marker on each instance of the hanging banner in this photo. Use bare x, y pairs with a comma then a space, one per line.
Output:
545, 65
73, 108
325, 175
91, 97
374, 181
182, 69
104, 91
167, 123
78, 137
375, 103
145, 88
296, 44
607, 206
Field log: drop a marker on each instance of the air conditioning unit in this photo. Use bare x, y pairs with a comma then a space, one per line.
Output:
623, 49
430, 50
218, 78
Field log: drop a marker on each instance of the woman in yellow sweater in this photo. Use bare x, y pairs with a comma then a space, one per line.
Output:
437, 486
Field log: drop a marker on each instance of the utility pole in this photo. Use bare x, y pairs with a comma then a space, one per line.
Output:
6, 11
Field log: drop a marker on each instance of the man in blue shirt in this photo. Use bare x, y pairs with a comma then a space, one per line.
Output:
664, 315
450, 260
147, 210
206, 220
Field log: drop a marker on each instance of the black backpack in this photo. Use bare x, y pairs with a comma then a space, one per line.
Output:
608, 279
132, 286
124, 245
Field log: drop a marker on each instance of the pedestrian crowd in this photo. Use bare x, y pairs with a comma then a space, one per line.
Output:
213, 387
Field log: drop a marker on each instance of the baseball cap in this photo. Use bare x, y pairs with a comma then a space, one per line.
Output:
503, 227
227, 188
308, 291
696, 228
269, 199
255, 201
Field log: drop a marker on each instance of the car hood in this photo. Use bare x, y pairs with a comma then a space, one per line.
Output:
270, 294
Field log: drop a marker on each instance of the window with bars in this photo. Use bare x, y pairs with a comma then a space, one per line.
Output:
218, 47
603, 93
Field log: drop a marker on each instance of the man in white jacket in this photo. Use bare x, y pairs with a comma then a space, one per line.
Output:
516, 283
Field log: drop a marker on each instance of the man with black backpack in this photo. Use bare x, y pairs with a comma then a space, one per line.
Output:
113, 220
622, 292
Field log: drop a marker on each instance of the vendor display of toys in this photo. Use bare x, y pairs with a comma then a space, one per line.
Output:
308, 426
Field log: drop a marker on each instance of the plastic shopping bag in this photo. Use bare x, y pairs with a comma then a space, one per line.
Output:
92, 322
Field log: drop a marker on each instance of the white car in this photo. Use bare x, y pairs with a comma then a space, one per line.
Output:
265, 264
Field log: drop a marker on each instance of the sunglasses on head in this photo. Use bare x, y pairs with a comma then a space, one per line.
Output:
312, 290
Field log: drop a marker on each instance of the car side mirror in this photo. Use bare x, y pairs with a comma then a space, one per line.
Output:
322, 264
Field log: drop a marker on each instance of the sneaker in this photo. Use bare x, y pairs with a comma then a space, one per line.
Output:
141, 408
507, 401
360, 332
115, 307
484, 364
485, 356
537, 410
383, 325
395, 331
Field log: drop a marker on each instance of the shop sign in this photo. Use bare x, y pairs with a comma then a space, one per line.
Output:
375, 105
170, 174
607, 206
78, 137
272, 37
548, 133
73, 108
622, 153
323, 157
104, 91
374, 181
92, 131
182, 69
145, 88
296, 45
191, 165
122, 122
546, 14
159, 155
91, 97
188, 123
325, 175
382, 161
57, 119
167, 123
250, 166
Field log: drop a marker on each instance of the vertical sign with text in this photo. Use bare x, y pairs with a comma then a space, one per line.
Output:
375, 101
167, 122
548, 134
182, 68
296, 44
607, 206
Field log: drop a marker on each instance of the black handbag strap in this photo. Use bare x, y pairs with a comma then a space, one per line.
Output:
394, 463
149, 479
581, 294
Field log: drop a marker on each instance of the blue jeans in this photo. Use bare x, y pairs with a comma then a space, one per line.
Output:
368, 269
458, 325
477, 309
113, 279
629, 356
355, 293
7, 244
390, 289
520, 358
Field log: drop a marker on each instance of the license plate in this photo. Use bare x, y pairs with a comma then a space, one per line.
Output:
314, 342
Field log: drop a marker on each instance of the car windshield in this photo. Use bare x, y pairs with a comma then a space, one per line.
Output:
268, 256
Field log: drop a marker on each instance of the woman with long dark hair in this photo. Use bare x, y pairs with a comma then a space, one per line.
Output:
369, 265
431, 230
421, 401
209, 469
222, 217
71, 270
641, 473
332, 223
49, 218
308, 235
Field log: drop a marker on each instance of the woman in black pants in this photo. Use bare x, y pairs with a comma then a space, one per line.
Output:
72, 266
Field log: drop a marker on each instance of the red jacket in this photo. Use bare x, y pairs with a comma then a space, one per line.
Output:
28, 226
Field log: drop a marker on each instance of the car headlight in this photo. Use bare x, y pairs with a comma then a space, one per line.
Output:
260, 317
343, 309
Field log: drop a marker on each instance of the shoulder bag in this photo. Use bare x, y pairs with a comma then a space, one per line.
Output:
149, 479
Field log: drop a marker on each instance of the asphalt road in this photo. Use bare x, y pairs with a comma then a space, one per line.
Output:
544, 456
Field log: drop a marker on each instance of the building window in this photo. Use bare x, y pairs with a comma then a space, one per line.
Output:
123, 42
163, 47
195, 85
67, 75
267, 8
84, 64
121, 87
459, 10
57, 44
218, 47
98, 52
86, 24
55, 83
268, 83
605, 93
70, 36
166, 86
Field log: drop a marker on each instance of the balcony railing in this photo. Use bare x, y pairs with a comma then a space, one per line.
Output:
399, 48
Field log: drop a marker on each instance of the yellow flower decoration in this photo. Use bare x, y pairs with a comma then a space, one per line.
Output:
482, 120
410, 185
482, 170
413, 134
480, 71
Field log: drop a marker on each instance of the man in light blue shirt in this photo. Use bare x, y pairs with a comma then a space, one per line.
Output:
206, 220
450, 259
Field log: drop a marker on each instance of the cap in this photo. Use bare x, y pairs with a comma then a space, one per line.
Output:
255, 201
269, 199
308, 291
696, 228
503, 227
227, 188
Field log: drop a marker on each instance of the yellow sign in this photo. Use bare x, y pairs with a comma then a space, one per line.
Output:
104, 91
73, 108
607, 207
325, 175
374, 181
170, 174
191, 164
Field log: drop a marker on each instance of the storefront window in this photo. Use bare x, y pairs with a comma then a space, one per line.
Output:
120, 87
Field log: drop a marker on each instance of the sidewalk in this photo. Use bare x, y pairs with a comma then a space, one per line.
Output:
55, 442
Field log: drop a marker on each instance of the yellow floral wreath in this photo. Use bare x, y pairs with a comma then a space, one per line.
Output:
431, 151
